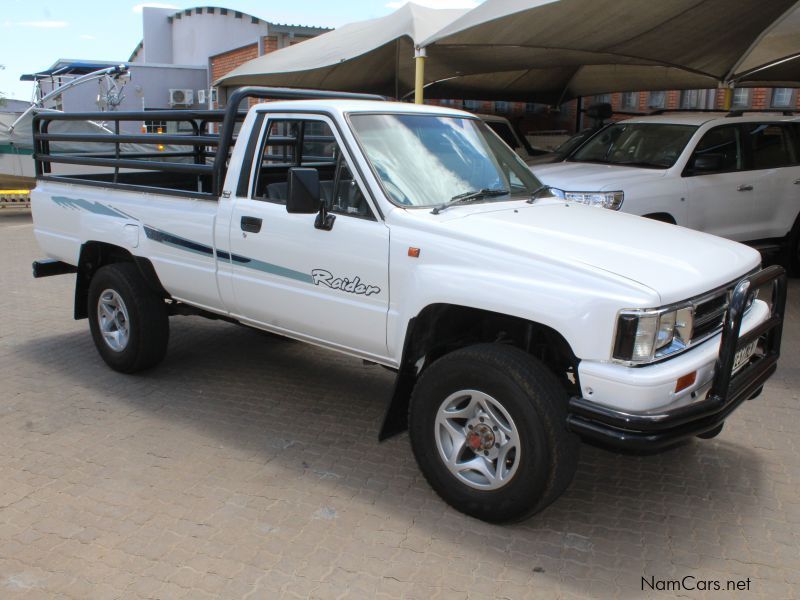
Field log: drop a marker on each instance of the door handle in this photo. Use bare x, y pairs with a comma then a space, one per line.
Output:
797, 181
251, 224
745, 188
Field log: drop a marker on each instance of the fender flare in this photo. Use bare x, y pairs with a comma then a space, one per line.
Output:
94, 255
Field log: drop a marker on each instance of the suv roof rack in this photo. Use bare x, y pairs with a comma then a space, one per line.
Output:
786, 112
738, 112
661, 111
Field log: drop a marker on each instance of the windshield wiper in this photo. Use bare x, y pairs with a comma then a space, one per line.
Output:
535, 193
470, 196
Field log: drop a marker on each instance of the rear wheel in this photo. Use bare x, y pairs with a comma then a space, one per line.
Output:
128, 320
488, 429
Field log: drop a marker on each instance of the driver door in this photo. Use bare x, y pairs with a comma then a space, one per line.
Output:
721, 194
330, 287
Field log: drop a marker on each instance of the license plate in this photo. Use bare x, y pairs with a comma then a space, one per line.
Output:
743, 355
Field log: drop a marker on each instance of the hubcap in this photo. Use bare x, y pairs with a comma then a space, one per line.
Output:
112, 315
477, 440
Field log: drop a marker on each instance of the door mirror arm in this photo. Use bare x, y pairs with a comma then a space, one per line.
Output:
324, 219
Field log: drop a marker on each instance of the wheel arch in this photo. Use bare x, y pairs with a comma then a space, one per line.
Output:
94, 255
441, 328
663, 217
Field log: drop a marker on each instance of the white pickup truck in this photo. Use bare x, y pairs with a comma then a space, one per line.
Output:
413, 237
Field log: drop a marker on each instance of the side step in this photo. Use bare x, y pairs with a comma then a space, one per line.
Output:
47, 267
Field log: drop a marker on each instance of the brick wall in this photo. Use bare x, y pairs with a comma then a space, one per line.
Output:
269, 43
224, 63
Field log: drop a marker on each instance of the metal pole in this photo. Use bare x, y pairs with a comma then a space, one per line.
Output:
578, 113
419, 83
727, 96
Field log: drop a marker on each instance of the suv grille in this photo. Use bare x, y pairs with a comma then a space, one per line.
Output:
709, 315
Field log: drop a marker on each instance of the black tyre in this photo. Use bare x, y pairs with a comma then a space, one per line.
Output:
711, 433
488, 429
128, 320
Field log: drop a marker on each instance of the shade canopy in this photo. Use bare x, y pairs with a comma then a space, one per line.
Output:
547, 50
775, 58
568, 48
375, 55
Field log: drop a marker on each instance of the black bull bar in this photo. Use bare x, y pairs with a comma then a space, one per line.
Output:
728, 389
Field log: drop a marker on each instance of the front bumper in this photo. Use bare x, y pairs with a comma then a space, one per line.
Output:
657, 429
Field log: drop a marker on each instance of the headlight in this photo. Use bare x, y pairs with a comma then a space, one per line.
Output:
647, 335
611, 200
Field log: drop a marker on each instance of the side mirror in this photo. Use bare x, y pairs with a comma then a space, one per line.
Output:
303, 191
709, 162
600, 111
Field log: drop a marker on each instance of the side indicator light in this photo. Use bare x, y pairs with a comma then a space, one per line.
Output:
414, 252
685, 381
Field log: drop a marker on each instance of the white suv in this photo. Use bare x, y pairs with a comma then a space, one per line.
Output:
733, 175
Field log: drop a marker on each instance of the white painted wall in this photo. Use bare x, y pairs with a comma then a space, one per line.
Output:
157, 36
195, 37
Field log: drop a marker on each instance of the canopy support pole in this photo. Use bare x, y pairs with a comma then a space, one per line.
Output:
727, 96
419, 82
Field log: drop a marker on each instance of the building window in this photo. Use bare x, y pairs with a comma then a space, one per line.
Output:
657, 100
630, 100
501, 107
741, 98
530, 107
693, 99
782, 97
472, 105
155, 127
602, 99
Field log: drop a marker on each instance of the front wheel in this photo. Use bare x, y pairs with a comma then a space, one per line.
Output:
128, 320
488, 429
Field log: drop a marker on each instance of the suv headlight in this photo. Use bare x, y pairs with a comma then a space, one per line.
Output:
646, 335
610, 200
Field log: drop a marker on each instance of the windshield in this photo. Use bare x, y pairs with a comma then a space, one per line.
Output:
575, 141
651, 145
427, 160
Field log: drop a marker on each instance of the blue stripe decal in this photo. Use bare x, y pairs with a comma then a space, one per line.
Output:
266, 267
92, 207
175, 241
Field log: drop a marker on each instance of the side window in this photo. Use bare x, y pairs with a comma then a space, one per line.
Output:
719, 151
348, 198
770, 145
308, 143
319, 145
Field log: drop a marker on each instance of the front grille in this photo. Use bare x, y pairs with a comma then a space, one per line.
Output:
709, 315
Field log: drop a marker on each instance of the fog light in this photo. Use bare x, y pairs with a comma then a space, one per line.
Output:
685, 382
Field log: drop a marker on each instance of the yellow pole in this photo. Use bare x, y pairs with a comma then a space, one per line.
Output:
419, 82
727, 98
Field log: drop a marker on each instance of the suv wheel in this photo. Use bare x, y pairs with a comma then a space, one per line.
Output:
488, 429
128, 321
